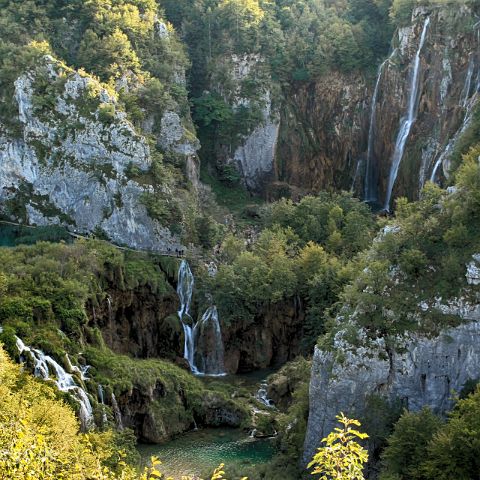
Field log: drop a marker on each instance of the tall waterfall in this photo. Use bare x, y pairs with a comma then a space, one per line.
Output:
408, 121
370, 186
211, 362
44, 365
468, 82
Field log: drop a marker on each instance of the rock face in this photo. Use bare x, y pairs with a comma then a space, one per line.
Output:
324, 126
71, 162
272, 340
323, 133
156, 413
448, 82
419, 371
140, 323
253, 154
473, 271
256, 155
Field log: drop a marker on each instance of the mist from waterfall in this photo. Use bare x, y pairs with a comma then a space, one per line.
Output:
44, 366
211, 364
408, 121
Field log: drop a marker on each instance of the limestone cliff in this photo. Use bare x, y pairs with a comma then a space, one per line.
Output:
78, 160
416, 369
331, 135
323, 133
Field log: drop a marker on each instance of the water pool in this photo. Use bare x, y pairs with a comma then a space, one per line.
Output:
203, 450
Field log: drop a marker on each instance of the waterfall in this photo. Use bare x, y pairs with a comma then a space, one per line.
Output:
468, 83
117, 413
370, 186
184, 292
101, 399
44, 365
408, 121
262, 395
468, 102
212, 362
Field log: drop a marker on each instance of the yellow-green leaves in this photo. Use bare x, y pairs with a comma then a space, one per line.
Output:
341, 458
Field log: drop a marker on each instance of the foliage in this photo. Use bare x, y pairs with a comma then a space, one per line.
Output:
341, 458
424, 447
47, 286
421, 255
407, 445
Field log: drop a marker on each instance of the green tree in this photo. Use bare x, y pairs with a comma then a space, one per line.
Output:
407, 445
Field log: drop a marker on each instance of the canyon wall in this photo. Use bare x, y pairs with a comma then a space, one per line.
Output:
331, 136
415, 369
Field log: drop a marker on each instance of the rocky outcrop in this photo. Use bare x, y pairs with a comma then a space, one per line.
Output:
73, 162
273, 339
140, 323
417, 370
156, 412
448, 81
253, 154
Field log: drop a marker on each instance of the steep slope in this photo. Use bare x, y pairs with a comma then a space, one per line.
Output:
407, 328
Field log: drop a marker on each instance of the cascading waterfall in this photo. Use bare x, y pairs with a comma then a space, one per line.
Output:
43, 365
262, 395
468, 82
101, 399
184, 292
468, 100
370, 186
408, 121
213, 363
117, 413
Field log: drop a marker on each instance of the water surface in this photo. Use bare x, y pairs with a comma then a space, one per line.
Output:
203, 450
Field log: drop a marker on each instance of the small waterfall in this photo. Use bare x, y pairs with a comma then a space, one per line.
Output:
262, 395
212, 362
117, 413
185, 292
43, 365
370, 185
468, 101
408, 121
468, 82
211, 359
101, 399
